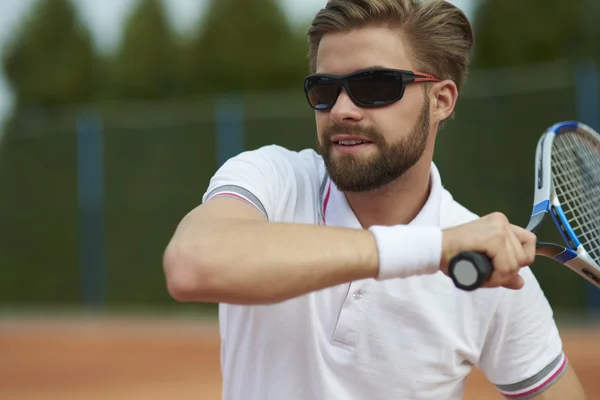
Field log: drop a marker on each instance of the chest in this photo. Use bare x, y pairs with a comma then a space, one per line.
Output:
409, 338
402, 323
376, 328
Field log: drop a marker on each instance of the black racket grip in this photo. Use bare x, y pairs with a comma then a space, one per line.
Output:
470, 270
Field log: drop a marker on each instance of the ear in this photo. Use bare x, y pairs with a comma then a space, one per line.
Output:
443, 95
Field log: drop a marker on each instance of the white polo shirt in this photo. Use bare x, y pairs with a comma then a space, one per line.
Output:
413, 339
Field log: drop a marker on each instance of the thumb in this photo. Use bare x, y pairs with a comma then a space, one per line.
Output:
516, 283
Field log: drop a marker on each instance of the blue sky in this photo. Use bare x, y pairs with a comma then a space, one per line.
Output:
104, 18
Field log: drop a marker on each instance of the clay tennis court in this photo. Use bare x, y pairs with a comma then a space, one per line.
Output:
129, 359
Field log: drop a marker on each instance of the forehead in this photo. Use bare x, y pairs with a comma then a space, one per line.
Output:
345, 52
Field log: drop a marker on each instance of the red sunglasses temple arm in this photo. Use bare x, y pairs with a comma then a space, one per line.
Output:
421, 77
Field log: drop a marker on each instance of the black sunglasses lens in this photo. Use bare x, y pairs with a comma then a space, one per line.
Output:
376, 88
322, 92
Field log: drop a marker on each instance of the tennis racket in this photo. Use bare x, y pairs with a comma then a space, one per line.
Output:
567, 191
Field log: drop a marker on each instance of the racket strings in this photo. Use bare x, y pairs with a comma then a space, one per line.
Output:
572, 192
571, 196
578, 199
576, 178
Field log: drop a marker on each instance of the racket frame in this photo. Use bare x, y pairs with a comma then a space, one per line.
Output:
573, 255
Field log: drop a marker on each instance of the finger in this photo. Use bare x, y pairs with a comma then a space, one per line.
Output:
500, 262
506, 264
530, 252
512, 250
504, 270
529, 241
524, 235
519, 251
516, 283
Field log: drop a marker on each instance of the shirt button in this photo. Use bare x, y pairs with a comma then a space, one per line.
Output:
357, 296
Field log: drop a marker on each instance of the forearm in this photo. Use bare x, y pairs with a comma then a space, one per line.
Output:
258, 262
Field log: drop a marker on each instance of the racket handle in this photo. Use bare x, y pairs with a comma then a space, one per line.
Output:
470, 270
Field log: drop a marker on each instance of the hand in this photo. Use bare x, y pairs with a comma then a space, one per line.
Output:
508, 246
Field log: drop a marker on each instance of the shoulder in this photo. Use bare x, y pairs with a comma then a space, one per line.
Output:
275, 158
280, 182
277, 153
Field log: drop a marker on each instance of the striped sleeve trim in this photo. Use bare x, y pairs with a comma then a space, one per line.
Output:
238, 193
537, 384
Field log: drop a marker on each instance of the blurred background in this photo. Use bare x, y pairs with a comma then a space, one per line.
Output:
114, 114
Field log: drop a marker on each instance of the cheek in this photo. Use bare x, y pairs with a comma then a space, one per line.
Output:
322, 122
390, 122
402, 116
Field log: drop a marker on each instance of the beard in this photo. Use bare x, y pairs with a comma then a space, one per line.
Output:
351, 173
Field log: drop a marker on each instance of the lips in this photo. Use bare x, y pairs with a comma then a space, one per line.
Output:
351, 142
347, 140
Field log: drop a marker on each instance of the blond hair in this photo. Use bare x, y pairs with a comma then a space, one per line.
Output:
439, 35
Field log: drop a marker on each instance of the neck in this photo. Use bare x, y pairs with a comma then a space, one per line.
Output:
397, 203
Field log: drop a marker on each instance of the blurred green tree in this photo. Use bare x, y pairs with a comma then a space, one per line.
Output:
244, 45
145, 64
50, 67
522, 32
51, 61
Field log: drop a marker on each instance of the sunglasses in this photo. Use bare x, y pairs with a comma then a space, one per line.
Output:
374, 87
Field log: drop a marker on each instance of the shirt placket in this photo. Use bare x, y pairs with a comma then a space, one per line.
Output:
352, 313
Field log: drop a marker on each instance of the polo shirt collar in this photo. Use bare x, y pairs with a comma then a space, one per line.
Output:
337, 211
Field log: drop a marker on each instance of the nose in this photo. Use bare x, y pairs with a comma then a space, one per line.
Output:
344, 110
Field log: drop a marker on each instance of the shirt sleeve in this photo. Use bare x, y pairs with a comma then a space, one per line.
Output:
258, 177
523, 354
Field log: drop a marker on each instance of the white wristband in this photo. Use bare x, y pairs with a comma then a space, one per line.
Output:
407, 250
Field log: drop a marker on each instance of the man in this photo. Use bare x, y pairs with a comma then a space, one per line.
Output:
331, 268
